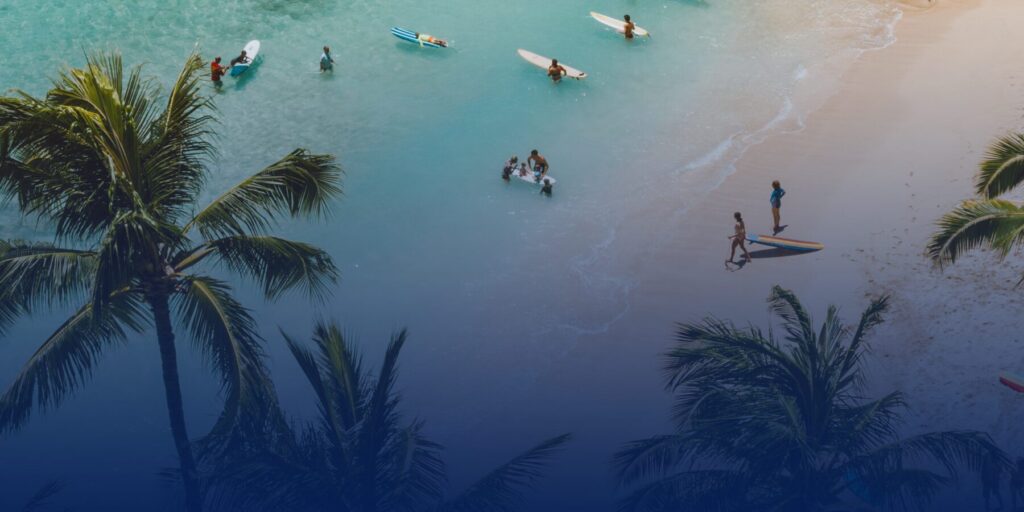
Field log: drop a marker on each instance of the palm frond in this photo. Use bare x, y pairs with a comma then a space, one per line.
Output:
300, 184
179, 144
417, 475
1003, 167
33, 274
650, 458
41, 498
66, 359
278, 265
995, 223
501, 490
795, 319
225, 332
703, 490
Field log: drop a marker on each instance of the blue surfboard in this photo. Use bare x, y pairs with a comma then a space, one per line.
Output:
410, 36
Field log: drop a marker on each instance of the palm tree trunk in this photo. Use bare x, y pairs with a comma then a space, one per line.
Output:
172, 388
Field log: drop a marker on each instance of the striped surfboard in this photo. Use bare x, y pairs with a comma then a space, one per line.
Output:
410, 36
785, 243
1014, 382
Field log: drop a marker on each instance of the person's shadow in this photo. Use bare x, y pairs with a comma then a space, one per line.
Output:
733, 266
780, 230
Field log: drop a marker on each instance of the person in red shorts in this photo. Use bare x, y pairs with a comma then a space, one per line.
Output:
217, 71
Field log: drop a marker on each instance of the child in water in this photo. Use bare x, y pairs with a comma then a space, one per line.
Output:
326, 61
546, 188
510, 166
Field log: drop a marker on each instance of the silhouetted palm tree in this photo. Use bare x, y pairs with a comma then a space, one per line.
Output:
987, 220
116, 169
764, 424
360, 456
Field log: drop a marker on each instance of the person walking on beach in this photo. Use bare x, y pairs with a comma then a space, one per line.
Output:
776, 201
629, 27
556, 71
326, 61
217, 72
540, 165
739, 238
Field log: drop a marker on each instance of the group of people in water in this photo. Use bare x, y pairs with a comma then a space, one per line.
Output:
540, 170
217, 71
739, 236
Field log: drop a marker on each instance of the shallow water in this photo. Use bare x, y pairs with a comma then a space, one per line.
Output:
495, 281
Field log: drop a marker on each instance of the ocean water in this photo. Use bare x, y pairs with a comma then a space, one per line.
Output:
495, 282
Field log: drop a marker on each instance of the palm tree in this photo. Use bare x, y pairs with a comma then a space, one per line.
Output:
764, 424
987, 220
116, 169
360, 456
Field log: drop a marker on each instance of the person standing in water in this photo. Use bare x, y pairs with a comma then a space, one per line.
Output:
217, 72
326, 61
546, 188
739, 238
629, 27
776, 202
540, 165
556, 71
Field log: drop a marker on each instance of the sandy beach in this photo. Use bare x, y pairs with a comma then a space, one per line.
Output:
867, 173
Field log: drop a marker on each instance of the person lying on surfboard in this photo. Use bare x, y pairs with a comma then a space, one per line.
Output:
427, 38
556, 71
241, 59
540, 165
629, 27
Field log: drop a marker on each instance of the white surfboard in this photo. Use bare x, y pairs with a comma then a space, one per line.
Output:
252, 49
618, 25
530, 177
544, 62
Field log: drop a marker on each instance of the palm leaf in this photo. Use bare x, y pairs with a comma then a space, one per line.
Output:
32, 274
1003, 167
225, 332
41, 498
994, 222
299, 184
501, 490
278, 265
66, 359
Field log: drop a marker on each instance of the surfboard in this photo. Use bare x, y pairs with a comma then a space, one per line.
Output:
1014, 382
530, 178
785, 243
544, 62
410, 36
618, 25
252, 49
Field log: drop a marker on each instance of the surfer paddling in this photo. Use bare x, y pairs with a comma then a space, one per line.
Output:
427, 38
540, 165
556, 71
739, 239
629, 27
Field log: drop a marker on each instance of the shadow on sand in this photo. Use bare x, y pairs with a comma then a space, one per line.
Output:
774, 252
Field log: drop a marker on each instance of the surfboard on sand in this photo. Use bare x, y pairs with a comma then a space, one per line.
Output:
618, 25
785, 243
544, 62
252, 49
1014, 382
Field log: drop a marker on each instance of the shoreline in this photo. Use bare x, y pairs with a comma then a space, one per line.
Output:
868, 175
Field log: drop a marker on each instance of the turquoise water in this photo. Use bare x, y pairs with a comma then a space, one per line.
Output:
495, 281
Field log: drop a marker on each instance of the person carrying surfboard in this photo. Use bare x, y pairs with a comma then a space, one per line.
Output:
326, 61
217, 72
739, 238
628, 27
540, 165
556, 71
